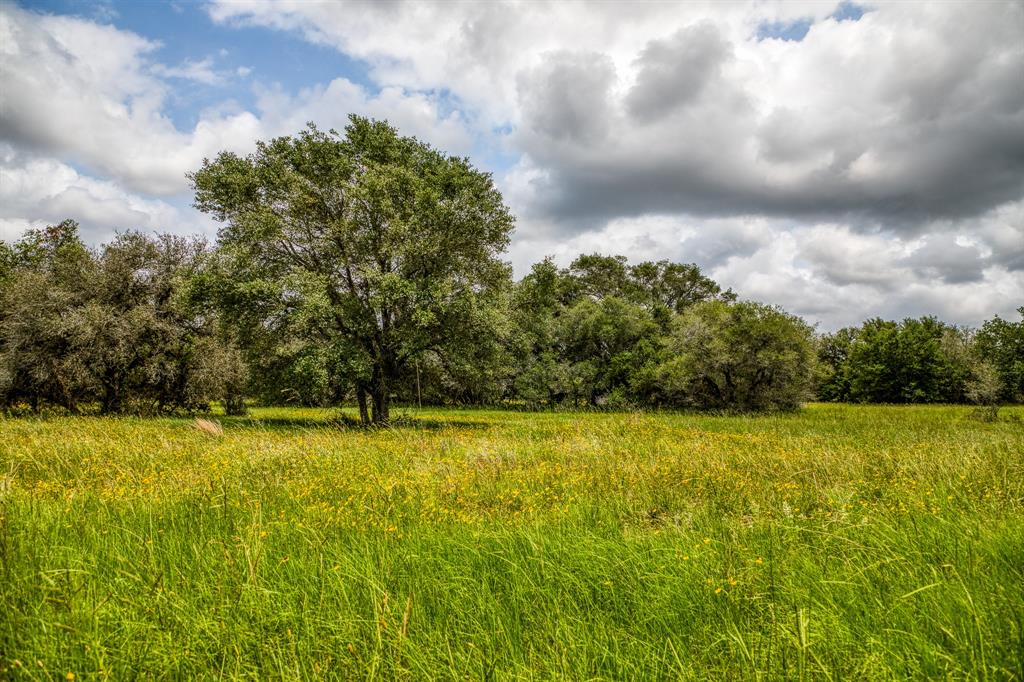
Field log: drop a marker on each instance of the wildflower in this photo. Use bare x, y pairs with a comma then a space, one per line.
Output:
70, 676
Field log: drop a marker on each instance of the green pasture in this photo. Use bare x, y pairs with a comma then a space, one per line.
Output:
838, 542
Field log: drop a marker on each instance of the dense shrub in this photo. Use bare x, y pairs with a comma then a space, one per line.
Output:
738, 356
1001, 343
114, 329
138, 325
919, 360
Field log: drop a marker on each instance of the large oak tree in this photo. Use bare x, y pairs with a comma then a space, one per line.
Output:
381, 246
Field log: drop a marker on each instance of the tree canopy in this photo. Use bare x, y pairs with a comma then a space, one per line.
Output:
117, 327
383, 247
366, 266
922, 360
745, 355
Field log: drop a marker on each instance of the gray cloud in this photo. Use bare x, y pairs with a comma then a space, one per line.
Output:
713, 247
875, 167
673, 72
886, 133
947, 261
565, 99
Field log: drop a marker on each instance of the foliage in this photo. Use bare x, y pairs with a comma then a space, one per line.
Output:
114, 328
914, 361
366, 266
738, 356
984, 388
1001, 343
371, 244
606, 344
49, 272
670, 287
833, 381
594, 333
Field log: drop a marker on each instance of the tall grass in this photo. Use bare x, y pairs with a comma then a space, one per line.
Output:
840, 542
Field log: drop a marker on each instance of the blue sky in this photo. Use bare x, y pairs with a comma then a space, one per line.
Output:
248, 57
186, 33
841, 159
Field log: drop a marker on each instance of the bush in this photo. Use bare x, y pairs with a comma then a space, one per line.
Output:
738, 356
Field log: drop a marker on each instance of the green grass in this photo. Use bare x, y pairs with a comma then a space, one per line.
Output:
837, 543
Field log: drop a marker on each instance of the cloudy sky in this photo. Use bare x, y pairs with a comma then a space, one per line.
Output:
843, 160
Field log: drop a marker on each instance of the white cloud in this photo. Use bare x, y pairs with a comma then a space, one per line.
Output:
83, 91
830, 273
89, 94
872, 168
201, 71
836, 275
39, 191
910, 113
329, 105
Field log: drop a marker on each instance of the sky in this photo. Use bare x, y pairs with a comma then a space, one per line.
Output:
842, 160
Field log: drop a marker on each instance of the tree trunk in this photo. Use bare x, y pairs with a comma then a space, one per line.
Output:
111, 401
234, 404
380, 403
381, 406
364, 412
379, 393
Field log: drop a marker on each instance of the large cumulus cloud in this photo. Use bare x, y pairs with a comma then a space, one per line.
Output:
909, 114
894, 120
85, 132
844, 161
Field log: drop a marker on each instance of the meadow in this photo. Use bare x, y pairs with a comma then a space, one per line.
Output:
838, 542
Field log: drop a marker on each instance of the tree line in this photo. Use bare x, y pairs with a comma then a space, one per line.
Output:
365, 268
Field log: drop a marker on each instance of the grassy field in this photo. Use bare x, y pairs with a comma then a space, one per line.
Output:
838, 543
